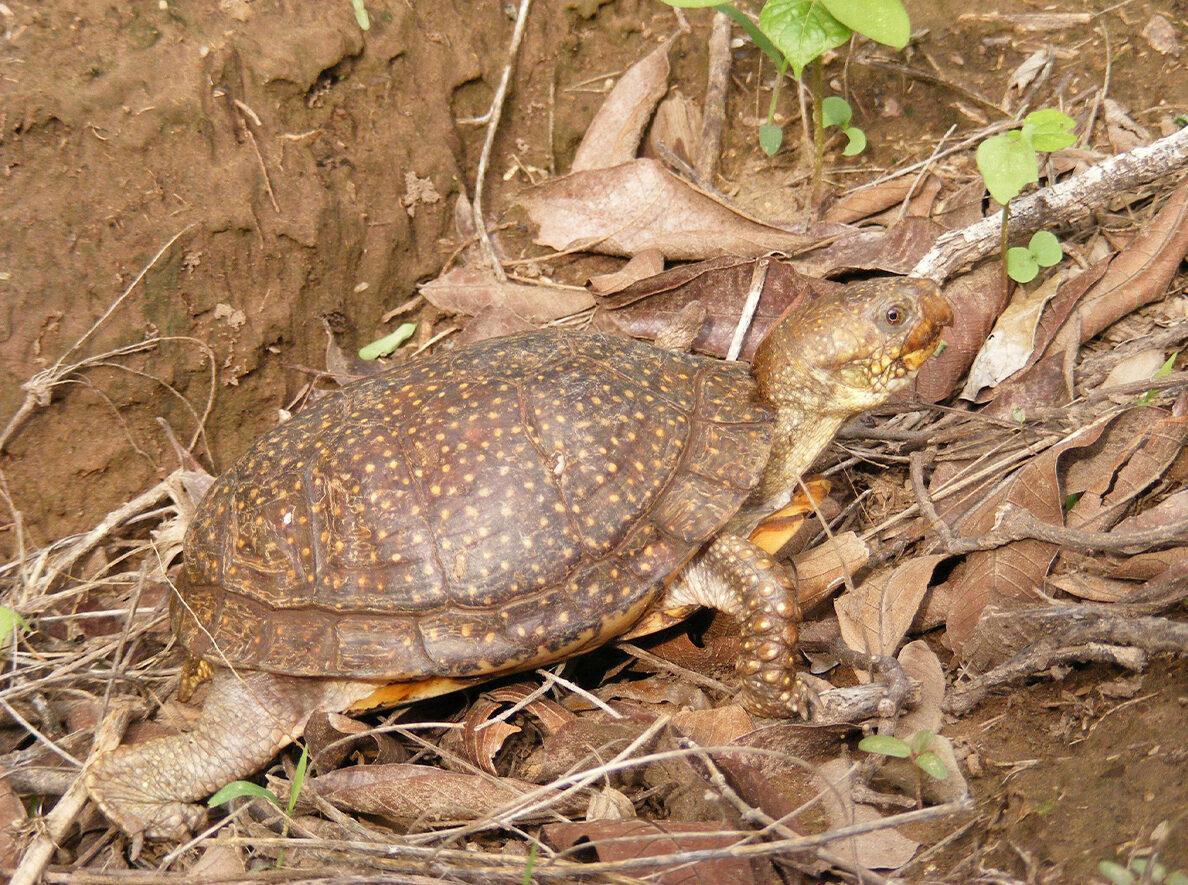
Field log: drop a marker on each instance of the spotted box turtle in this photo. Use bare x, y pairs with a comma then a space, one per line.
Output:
500, 507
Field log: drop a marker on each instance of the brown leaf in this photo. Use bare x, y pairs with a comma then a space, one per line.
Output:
920, 663
712, 728
484, 729
1148, 566
896, 250
676, 127
490, 322
407, 794
644, 265
615, 132
880, 849
580, 743
12, 823
1011, 575
468, 290
626, 840
646, 308
1137, 276
875, 617
1161, 34
332, 737
640, 205
867, 201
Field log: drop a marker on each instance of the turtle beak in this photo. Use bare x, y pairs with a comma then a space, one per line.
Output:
935, 313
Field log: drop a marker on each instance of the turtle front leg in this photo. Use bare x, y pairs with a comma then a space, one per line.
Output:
736, 576
147, 789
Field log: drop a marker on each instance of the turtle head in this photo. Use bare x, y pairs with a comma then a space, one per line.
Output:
845, 353
849, 351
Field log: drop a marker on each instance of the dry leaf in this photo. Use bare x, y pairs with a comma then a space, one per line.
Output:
468, 290
12, 823
614, 134
1010, 346
867, 201
875, 617
676, 127
1024, 75
641, 205
624, 840
1124, 133
920, 663
714, 728
1140, 366
646, 264
881, 849
977, 300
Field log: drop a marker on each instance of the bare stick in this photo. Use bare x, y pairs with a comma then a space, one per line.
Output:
1060, 203
714, 115
492, 125
758, 281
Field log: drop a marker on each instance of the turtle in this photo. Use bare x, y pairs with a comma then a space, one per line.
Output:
499, 507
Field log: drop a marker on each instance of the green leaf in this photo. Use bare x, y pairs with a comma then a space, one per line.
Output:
932, 765
361, 15
856, 143
528, 866
11, 621
1115, 873
1049, 129
801, 30
1177, 878
771, 137
921, 740
1162, 372
237, 789
836, 111
298, 779
757, 36
388, 343
1007, 164
884, 21
1021, 265
1046, 248
885, 745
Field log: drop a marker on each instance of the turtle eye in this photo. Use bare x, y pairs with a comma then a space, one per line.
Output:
895, 315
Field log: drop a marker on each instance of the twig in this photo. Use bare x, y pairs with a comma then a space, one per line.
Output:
1014, 523
714, 111
494, 115
758, 280
1078, 195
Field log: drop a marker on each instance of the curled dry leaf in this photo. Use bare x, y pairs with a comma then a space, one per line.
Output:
647, 308
676, 129
1010, 576
332, 737
895, 250
484, 729
920, 663
646, 264
627, 840
1138, 276
468, 290
640, 205
405, 794
867, 201
875, 617
614, 134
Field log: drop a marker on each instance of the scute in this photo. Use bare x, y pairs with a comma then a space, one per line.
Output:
470, 513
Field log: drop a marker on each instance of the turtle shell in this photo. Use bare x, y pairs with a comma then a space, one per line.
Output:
477, 512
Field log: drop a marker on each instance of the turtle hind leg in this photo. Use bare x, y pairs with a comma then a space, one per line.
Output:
736, 576
148, 789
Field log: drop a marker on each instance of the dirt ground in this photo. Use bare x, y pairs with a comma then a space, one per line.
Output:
298, 172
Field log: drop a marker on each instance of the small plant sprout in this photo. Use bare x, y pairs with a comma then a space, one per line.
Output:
1137, 873
11, 626
361, 15
836, 111
239, 789
1008, 163
917, 748
796, 33
1023, 262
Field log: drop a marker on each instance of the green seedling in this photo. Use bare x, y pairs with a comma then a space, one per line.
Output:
11, 624
1137, 872
1009, 162
239, 789
917, 748
528, 867
386, 345
1023, 262
796, 33
361, 15
837, 112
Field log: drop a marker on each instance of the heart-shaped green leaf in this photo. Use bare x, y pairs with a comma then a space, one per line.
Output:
801, 30
884, 21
